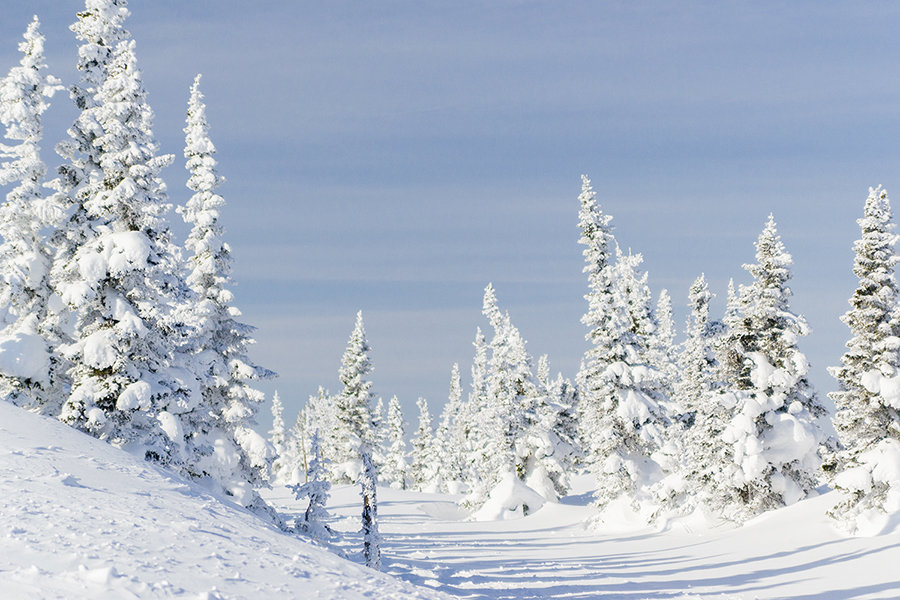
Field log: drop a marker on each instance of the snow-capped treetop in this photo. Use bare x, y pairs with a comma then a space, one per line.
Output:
871, 319
276, 434
697, 363
597, 237
211, 261
23, 92
100, 28
766, 323
479, 365
490, 308
596, 232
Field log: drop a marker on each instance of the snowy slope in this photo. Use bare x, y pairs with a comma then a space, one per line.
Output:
790, 553
79, 518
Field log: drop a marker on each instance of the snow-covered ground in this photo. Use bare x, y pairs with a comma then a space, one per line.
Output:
790, 553
82, 519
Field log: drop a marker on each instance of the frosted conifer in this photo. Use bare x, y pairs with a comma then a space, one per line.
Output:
662, 354
316, 489
866, 416
32, 374
396, 464
422, 469
619, 397
278, 439
705, 459
774, 435
116, 267
218, 341
353, 406
449, 443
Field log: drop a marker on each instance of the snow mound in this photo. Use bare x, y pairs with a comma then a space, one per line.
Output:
81, 519
510, 499
24, 355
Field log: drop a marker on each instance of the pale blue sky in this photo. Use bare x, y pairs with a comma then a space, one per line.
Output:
395, 157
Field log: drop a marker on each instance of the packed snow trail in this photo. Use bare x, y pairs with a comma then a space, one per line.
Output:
791, 553
81, 519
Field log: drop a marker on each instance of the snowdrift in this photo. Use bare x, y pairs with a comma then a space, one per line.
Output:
83, 519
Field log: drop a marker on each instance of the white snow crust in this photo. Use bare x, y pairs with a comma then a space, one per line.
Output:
81, 519
794, 552
24, 354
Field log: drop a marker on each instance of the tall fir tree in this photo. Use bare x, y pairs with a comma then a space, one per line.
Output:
422, 470
278, 439
30, 373
774, 434
449, 442
867, 411
353, 406
514, 421
394, 472
469, 424
116, 267
506, 377
663, 356
619, 407
216, 342
705, 459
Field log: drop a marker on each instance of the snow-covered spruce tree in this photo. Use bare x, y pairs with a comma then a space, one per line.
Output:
297, 441
774, 436
618, 403
222, 432
278, 439
697, 363
316, 488
697, 431
449, 444
469, 424
661, 349
371, 538
517, 418
867, 415
353, 407
423, 469
506, 375
320, 414
116, 267
396, 465
30, 369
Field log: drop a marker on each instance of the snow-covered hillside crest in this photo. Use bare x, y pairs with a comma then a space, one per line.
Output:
131, 529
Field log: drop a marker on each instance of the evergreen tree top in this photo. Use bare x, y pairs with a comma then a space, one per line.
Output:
596, 232
772, 269
100, 27
355, 364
